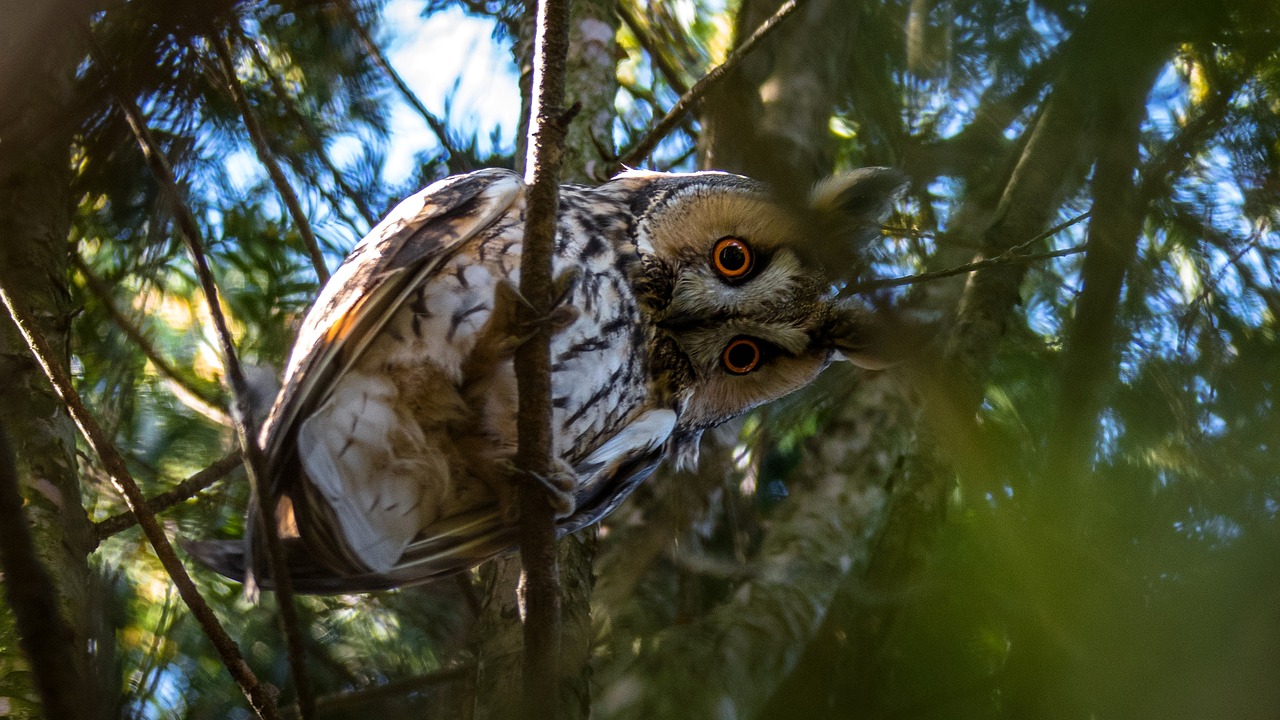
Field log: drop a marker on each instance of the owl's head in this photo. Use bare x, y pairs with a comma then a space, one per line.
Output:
732, 280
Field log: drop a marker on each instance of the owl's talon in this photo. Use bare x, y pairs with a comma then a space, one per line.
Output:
559, 484
507, 296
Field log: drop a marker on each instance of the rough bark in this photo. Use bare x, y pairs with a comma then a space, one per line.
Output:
44, 636
591, 82
38, 56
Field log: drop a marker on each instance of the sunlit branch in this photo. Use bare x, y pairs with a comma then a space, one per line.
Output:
187, 391
659, 59
222, 51
646, 144
114, 464
176, 495
279, 89
246, 431
380, 59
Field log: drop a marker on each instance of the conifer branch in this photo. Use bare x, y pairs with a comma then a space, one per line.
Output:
259, 699
175, 495
242, 413
643, 147
187, 391
222, 51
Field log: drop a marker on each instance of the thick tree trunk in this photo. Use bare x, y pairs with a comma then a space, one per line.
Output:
35, 218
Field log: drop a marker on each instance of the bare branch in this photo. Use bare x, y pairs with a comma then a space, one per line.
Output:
259, 699
222, 51
175, 495
44, 635
187, 391
352, 702
547, 127
1008, 257
645, 145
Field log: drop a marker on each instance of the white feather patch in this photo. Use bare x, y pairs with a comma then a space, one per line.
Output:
373, 466
648, 431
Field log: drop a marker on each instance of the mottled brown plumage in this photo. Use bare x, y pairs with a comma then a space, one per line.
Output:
687, 299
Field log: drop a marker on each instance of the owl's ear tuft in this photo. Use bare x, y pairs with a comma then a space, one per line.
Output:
858, 201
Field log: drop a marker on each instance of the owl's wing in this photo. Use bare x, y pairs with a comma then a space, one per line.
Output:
462, 541
375, 278
353, 306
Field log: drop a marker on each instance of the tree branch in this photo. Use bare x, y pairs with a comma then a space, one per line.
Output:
278, 88
43, 634
222, 51
660, 61
1010, 256
437, 125
175, 495
548, 124
242, 414
643, 147
259, 699
352, 702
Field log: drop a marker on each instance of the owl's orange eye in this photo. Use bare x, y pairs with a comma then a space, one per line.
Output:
732, 258
741, 356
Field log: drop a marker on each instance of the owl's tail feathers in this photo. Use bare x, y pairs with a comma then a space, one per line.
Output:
227, 557
453, 545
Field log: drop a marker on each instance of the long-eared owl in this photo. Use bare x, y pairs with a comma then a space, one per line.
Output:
684, 300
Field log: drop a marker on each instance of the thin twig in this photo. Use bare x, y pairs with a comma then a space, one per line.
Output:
1017, 249
280, 90
259, 699
1002, 259
548, 123
190, 393
175, 495
44, 636
641, 149
222, 51
242, 414
1011, 256
380, 59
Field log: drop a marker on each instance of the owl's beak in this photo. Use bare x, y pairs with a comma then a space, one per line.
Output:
680, 320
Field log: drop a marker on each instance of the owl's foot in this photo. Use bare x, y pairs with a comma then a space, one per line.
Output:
507, 297
559, 484
502, 333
